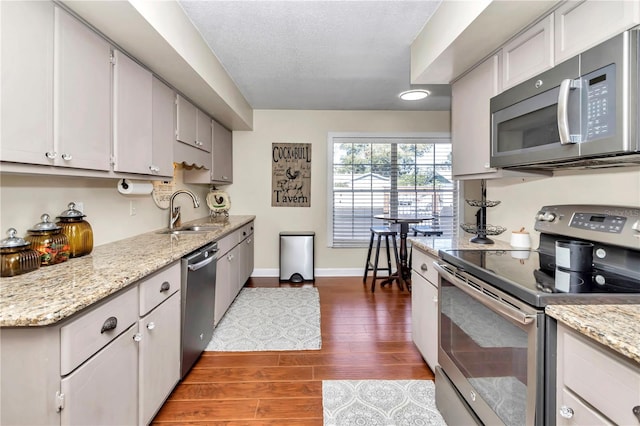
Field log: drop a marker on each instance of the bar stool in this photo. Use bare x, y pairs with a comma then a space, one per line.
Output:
386, 232
426, 231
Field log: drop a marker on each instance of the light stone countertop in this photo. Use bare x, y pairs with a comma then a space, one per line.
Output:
615, 326
53, 293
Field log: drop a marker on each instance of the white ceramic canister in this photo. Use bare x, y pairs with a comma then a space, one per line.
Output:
520, 239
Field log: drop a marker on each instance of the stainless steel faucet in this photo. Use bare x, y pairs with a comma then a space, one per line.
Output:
174, 212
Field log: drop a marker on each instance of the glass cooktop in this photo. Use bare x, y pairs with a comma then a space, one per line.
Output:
533, 277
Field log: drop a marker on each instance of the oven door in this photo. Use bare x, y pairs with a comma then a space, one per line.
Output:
491, 348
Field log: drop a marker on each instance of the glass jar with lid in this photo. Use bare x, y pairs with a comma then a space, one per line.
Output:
16, 257
77, 230
47, 238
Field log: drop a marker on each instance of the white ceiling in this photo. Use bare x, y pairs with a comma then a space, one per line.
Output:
334, 55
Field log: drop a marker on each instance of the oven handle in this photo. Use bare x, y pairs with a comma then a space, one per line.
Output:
521, 317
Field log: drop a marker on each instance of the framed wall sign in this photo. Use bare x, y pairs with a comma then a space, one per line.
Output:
291, 174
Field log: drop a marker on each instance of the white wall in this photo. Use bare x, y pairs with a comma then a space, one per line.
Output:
251, 189
24, 198
521, 198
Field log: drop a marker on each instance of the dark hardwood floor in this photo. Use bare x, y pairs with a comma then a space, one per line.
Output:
364, 336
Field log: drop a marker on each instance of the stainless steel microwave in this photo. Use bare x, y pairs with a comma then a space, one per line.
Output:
581, 113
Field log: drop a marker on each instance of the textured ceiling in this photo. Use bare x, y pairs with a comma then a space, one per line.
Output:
335, 55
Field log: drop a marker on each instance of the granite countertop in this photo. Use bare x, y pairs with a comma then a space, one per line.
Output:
610, 325
432, 245
53, 293
614, 326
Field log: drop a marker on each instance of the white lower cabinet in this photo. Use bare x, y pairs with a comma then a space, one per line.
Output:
424, 306
159, 356
103, 390
595, 386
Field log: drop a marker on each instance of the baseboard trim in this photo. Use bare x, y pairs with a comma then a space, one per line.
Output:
319, 272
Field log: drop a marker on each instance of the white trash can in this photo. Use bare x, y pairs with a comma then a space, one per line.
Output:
296, 256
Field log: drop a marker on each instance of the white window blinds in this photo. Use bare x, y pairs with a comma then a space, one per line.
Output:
376, 175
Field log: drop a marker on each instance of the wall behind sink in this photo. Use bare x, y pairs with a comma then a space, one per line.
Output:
24, 198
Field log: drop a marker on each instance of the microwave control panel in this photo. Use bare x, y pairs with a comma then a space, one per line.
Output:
600, 91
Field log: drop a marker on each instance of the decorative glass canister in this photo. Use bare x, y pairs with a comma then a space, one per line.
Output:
77, 230
47, 238
16, 257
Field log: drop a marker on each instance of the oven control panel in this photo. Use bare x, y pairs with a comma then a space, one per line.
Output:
598, 222
615, 225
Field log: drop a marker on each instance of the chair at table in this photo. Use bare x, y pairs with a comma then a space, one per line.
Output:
387, 233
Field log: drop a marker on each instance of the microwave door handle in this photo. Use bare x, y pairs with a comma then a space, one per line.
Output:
563, 113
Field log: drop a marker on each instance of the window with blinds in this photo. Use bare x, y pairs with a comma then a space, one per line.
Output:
398, 175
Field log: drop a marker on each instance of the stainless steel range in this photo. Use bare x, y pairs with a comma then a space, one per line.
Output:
496, 346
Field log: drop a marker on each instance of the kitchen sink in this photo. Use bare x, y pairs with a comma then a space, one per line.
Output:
191, 229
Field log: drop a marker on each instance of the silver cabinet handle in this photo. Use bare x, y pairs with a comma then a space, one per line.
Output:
109, 324
566, 412
636, 412
67, 157
51, 154
165, 286
154, 169
424, 267
151, 325
137, 337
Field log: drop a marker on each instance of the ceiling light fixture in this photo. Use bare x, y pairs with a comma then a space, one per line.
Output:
414, 94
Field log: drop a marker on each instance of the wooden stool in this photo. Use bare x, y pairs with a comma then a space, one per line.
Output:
386, 232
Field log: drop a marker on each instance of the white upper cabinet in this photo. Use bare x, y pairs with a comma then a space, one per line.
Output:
132, 118
82, 88
528, 54
163, 119
470, 125
26, 82
194, 126
580, 25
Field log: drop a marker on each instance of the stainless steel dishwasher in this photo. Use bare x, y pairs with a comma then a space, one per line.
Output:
198, 301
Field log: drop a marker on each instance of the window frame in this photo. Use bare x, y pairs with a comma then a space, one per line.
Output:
332, 136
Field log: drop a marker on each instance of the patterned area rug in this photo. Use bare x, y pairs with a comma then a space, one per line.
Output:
270, 319
380, 402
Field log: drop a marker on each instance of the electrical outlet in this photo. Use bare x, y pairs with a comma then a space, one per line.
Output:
80, 206
132, 208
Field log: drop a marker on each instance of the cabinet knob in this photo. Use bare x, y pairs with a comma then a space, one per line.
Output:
435, 299
154, 169
636, 412
424, 267
109, 324
67, 157
165, 286
51, 154
225, 177
566, 412
137, 337
151, 325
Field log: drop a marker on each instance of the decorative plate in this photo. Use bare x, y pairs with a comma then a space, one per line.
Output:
218, 201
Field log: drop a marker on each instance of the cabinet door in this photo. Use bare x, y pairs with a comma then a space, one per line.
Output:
424, 318
470, 119
247, 260
204, 132
132, 116
223, 288
603, 19
234, 259
528, 54
222, 154
186, 121
26, 81
103, 391
82, 85
159, 356
163, 130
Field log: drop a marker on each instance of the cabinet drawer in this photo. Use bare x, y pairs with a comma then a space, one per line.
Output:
246, 230
582, 414
227, 243
600, 378
84, 336
422, 263
158, 287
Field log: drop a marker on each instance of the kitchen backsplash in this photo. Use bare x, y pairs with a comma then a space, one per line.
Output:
24, 198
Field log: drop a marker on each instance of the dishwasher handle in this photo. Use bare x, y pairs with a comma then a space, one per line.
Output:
201, 264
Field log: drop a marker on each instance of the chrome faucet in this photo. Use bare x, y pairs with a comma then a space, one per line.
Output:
174, 212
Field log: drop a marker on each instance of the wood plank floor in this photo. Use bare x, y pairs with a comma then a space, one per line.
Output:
364, 336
